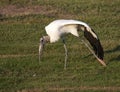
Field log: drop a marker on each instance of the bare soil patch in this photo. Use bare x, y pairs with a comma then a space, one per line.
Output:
73, 89
13, 10
16, 55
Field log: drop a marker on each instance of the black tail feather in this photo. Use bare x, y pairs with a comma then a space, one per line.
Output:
97, 47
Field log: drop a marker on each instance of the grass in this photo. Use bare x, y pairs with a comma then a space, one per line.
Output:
19, 39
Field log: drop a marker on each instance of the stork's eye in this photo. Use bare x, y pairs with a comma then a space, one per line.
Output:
41, 39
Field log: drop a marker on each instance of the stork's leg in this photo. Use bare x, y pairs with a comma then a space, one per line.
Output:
66, 55
101, 61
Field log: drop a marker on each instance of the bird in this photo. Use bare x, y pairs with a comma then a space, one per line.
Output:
58, 29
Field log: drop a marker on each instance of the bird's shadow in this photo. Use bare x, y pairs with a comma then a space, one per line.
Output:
116, 49
117, 57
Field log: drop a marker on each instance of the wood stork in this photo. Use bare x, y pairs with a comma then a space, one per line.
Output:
56, 30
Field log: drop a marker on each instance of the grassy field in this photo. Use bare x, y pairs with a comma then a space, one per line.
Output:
22, 23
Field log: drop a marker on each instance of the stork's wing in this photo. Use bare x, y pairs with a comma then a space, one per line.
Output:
53, 31
95, 42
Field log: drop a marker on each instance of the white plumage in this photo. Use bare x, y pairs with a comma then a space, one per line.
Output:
58, 27
56, 30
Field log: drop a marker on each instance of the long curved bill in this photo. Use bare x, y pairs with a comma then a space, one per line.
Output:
101, 61
41, 45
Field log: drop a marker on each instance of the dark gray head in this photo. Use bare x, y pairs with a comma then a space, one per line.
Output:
43, 41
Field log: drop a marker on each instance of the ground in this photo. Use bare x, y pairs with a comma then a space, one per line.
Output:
22, 23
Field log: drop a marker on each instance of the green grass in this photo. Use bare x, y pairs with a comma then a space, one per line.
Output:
19, 41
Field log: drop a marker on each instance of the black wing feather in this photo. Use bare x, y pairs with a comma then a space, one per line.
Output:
97, 47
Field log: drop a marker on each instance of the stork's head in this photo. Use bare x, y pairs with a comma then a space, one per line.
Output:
43, 41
